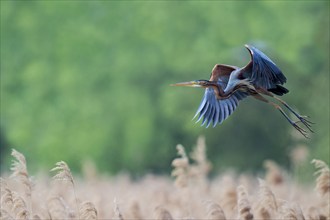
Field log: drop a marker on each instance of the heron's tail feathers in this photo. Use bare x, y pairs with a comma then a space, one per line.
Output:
279, 90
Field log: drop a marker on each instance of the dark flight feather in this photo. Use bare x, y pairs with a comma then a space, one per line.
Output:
262, 71
216, 111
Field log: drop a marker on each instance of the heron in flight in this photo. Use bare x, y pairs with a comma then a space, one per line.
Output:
230, 84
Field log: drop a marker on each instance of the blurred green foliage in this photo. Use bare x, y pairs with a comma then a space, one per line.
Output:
90, 80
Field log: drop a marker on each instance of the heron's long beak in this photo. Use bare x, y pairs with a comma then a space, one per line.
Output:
195, 83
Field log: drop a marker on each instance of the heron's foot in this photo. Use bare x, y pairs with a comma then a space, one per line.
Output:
300, 129
304, 119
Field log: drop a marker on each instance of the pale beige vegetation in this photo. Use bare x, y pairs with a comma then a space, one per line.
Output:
188, 195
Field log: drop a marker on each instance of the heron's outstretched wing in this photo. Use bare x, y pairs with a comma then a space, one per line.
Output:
262, 71
213, 110
222, 72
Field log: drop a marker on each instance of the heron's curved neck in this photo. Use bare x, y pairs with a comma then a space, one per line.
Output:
220, 94
243, 86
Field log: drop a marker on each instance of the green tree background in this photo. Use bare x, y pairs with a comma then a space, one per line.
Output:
90, 80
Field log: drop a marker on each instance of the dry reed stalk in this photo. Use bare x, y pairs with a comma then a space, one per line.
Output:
274, 174
57, 208
19, 170
162, 214
214, 211
64, 174
243, 204
87, 211
136, 211
181, 168
4, 215
118, 214
323, 179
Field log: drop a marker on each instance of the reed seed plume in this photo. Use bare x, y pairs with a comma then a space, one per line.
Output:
181, 168
203, 166
292, 212
214, 211
87, 211
274, 174
62, 172
19, 207
266, 205
18, 167
299, 155
243, 204
7, 200
323, 179
54, 196
162, 214
314, 214
266, 196
228, 193
19, 171
263, 213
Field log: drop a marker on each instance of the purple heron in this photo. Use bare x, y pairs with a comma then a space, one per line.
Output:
230, 84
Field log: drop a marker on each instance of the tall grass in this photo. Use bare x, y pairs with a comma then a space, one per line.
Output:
189, 195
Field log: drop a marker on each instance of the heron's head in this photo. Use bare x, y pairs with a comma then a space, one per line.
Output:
196, 83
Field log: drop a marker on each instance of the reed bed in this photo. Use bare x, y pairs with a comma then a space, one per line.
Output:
188, 194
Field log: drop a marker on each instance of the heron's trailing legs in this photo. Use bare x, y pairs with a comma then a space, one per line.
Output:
302, 119
294, 124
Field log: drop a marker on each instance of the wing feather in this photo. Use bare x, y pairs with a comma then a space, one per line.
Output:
262, 71
216, 114
207, 115
200, 108
222, 72
221, 113
216, 111
210, 116
225, 106
205, 107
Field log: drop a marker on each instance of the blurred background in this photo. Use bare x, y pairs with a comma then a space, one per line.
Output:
89, 81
